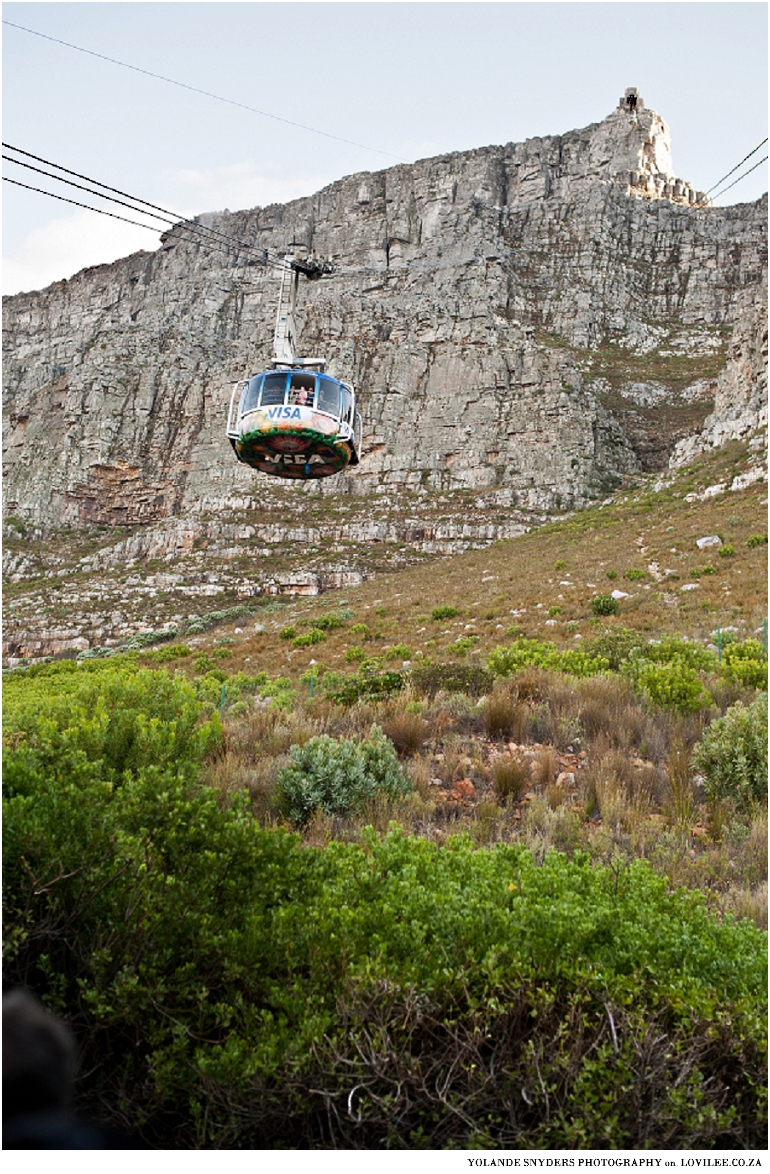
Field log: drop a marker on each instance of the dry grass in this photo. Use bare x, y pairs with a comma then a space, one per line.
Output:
679, 807
512, 777
407, 732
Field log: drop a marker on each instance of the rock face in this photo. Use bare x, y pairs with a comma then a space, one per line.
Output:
470, 292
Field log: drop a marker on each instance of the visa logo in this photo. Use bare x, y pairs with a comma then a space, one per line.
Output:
284, 412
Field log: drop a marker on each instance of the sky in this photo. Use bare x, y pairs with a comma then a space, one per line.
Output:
403, 81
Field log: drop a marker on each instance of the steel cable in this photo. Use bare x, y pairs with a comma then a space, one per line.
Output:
206, 93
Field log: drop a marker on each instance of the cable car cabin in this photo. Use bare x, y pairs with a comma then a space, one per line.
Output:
296, 423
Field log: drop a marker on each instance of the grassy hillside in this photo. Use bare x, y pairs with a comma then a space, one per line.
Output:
471, 854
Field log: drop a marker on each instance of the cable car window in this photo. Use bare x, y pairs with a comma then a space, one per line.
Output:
328, 396
302, 389
250, 395
274, 388
347, 404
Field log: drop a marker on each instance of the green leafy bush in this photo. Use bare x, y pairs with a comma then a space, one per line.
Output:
444, 613
361, 631
370, 682
634, 575
671, 685
314, 636
756, 540
337, 776
398, 652
171, 652
732, 755
745, 661
616, 645
463, 645
673, 649
604, 605
544, 654
471, 679
355, 653
328, 622
288, 632
726, 551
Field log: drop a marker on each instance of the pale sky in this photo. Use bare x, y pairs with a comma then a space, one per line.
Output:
411, 79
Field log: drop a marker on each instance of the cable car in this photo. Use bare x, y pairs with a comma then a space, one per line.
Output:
294, 420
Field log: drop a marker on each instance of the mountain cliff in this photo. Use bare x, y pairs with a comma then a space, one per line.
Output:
528, 326
484, 304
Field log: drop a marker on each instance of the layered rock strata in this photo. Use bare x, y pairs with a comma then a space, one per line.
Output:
468, 289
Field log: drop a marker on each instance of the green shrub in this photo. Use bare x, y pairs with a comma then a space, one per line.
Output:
203, 663
328, 622
575, 661
360, 630
222, 654
616, 645
370, 682
745, 661
554, 611
671, 685
604, 605
171, 652
288, 632
354, 653
314, 636
634, 575
398, 652
462, 646
337, 776
444, 613
756, 540
612, 574
732, 755
726, 551
470, 679
673, 649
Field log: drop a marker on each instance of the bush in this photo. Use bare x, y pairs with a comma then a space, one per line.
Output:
288, 632
604, 605
172, 652
746, 662
329, 621
672, 649
472, 679
398, 652
462, 646
444, 613
671, 685
732, 755
634, 575
354, 653
314, 636
369, 682
616, 645
338, 776
361, 631
726, 551
577, 662
756, 540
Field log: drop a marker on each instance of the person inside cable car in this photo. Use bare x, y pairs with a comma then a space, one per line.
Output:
304, 398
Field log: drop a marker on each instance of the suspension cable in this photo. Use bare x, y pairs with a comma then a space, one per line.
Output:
740, 177
724, 177
206, 93
174, 220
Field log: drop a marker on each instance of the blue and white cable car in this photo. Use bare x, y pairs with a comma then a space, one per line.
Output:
294, 420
